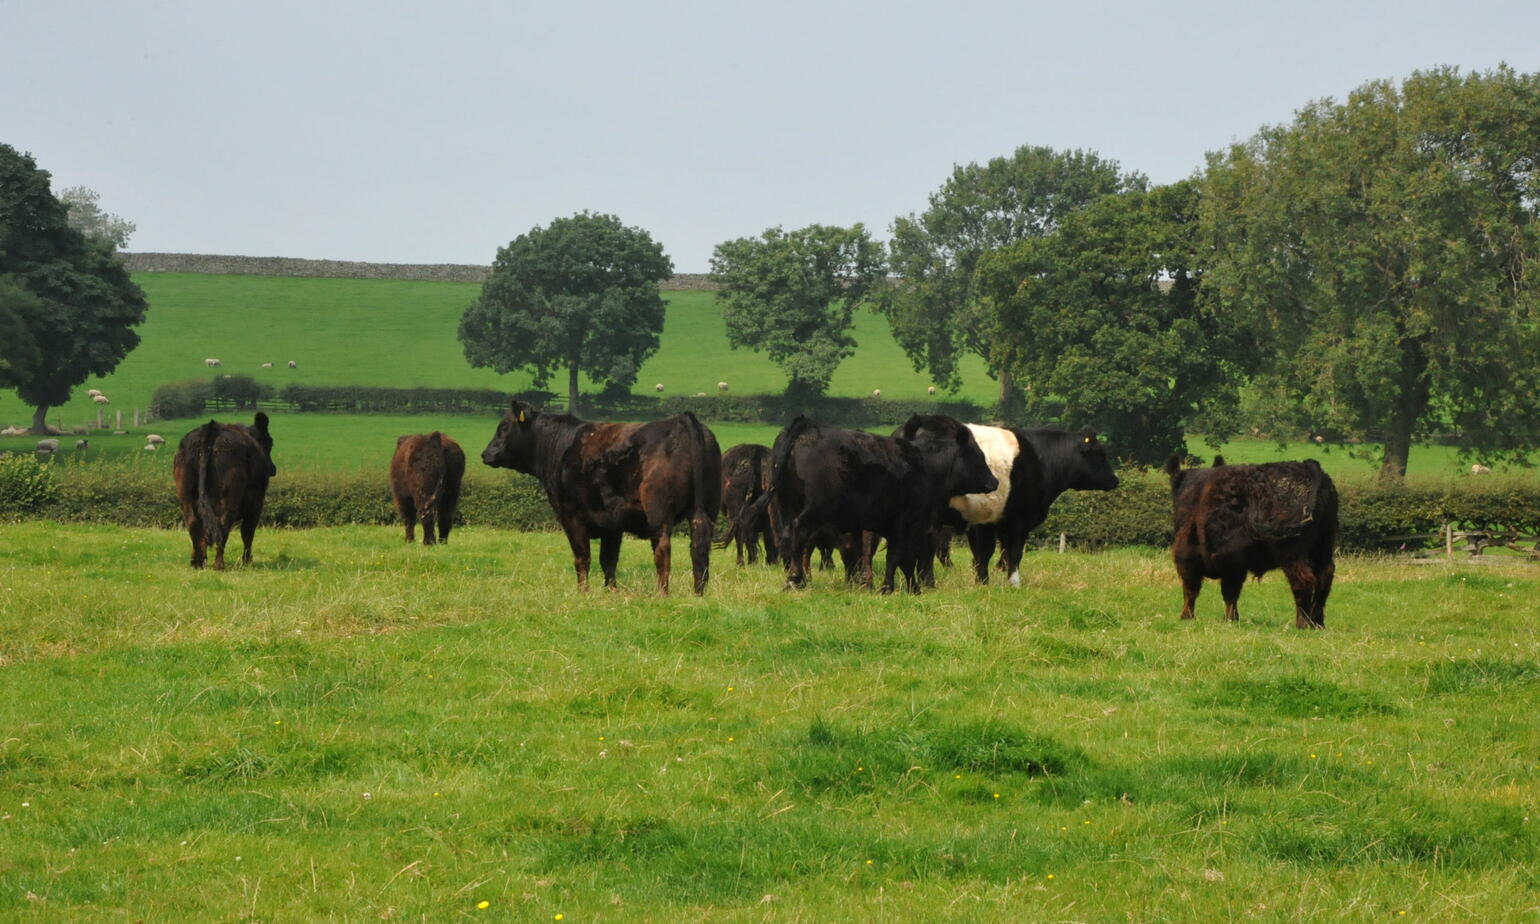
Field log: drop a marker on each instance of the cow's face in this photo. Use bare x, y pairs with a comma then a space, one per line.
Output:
970, 469
952, 457
513, 445
265, 440
1092, 470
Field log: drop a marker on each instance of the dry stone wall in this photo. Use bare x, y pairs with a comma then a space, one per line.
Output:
339, 269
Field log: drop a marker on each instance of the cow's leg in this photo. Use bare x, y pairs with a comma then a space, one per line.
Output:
1325, 572
447, 502
826, 556
662, 552
853, 554
408, 511
925, 566
1230, 586
582, 555
700, 551
1192, 583
1013, 539
981, 539
1301, 575
944, 536
200, 542
772, 527
609, 557
903, 553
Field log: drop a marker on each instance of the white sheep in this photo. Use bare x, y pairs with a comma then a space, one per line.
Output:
876, 393
82, 444
293, 364
267, 365
47, 445
1479, 469
93, 392
211, 362
658, 387
150, 447
931, 390
155, 439
721, 386
99, 399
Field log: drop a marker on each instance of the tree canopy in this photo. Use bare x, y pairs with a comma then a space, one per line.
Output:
793, 294
580, 294
933, 306
1102, 316
90, 305
87, 216
1384, 249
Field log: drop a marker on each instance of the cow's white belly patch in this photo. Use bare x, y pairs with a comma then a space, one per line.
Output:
1000, 449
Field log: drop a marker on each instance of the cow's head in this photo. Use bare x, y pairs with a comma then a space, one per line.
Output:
513, 445
1092, 471
952, 457
265, 440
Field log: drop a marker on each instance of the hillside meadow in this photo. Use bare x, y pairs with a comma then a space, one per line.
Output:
353, 728
402, 333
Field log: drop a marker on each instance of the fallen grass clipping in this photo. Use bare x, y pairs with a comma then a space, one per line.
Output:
355, 728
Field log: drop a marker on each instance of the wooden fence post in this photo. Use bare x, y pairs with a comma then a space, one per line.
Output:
1063, 540
1449, 540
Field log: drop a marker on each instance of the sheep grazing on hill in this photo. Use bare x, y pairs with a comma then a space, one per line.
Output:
82, 444
721, 386
1479, 469
99, 399
293, 364
155, 439
931, 390
876, 393
267, 365
93, 392
658, 387
47, 445
211, 362
151, 447
14, 431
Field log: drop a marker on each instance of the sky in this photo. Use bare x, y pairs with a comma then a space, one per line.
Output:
436, 132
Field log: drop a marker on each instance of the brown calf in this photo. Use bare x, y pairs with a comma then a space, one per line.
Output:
425, 476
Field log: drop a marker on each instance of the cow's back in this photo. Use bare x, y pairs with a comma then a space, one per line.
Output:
628, 476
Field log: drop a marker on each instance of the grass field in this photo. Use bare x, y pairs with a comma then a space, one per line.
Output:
357, 729
386, 332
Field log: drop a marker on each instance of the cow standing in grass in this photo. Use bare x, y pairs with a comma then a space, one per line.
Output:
608, 479
425, 475
746, 476
829, 480
221, 473
1234, 519
1033, 467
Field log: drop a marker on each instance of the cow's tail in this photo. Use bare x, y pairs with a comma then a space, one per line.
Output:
780, 458
213, 529
436, 442
706, 466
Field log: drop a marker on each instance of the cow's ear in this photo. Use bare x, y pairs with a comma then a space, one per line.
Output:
1219, 461
260, 424
1173, 465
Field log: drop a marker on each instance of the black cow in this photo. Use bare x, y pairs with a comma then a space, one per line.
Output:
746, 476
830, 481
607, 479
1034, 467
221, 473
1234, 519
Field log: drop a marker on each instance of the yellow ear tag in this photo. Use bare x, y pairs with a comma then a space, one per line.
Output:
521, 417
1088, 441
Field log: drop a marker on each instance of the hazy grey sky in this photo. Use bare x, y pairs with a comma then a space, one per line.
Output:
437, 130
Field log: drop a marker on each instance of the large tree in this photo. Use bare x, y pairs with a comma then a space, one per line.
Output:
91, 306
1385, 249
580, 294
933, 305
87, 216
1103, 318
793, 294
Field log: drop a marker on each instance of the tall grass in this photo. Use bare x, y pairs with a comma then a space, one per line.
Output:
357, 728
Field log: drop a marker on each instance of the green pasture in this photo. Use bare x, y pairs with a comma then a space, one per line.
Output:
402, 333
353, 728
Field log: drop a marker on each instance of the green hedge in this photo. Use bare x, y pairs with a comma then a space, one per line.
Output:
845, 412
139, 492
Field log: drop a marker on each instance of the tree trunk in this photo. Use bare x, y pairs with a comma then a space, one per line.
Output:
572, 387
1010, 395
1407, 411
40, 420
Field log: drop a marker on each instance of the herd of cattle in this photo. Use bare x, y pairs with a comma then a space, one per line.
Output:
819, 488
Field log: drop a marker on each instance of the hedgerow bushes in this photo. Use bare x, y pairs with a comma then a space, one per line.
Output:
139, 492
